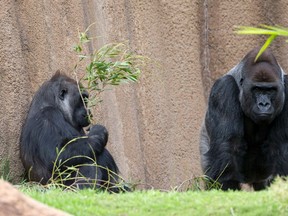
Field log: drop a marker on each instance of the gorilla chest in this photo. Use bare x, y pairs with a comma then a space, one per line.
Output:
258, 161
257, 164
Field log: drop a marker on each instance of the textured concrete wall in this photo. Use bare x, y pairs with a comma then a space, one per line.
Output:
154, 125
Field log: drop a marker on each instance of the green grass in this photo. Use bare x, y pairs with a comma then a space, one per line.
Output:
87, 202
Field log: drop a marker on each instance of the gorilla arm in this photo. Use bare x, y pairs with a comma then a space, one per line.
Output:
279, 137
223, 132
51, 129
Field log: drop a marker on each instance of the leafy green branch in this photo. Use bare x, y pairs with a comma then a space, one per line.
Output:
272, 31
111, 65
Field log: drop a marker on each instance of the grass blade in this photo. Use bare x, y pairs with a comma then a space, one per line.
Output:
265, 46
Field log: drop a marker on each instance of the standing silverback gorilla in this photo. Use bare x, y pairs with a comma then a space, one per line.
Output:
56, 116
244, 138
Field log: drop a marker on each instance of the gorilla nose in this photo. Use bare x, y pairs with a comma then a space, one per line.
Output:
85, 94
264, 106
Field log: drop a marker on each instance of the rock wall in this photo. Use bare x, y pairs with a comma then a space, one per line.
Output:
154, 125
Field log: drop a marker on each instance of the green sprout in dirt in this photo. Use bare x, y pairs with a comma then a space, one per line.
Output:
111, 65
272, 31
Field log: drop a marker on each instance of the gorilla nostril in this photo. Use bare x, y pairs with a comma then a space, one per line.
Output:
85, 95
264, 104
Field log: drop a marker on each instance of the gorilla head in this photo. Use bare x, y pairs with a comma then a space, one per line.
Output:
62, 92
261, 87
244, 137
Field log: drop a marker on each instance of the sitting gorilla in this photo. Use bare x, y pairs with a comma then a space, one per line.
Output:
56, 119
244, 138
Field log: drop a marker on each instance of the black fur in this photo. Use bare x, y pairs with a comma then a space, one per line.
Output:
56, 116
244, 138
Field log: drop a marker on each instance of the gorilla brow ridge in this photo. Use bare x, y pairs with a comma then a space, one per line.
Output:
263, 74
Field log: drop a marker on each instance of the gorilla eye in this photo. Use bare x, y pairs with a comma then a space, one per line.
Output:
62, 94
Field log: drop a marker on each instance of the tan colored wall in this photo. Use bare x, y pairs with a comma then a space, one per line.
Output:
154, 125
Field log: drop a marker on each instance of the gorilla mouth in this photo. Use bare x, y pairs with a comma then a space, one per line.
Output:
264, 114
264, 117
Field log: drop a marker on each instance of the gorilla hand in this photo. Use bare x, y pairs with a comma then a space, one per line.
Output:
98, 137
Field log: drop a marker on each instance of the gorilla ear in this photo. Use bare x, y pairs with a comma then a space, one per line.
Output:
62, 94
241, 81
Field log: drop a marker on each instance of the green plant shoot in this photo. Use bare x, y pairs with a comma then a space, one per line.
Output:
272, 31
111, 65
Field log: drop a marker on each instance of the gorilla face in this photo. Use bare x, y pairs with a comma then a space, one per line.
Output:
262, 93
81, 114
71, 103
